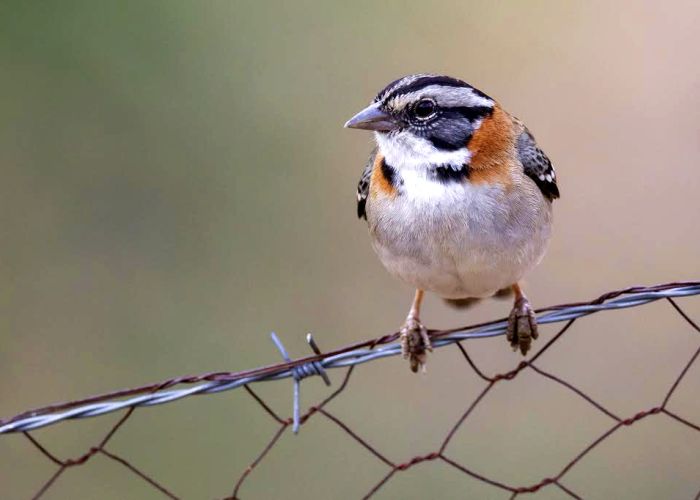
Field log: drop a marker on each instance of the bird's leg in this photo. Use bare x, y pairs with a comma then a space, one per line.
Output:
414, 336
522, 324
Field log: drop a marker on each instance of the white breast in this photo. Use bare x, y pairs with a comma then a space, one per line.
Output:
458, 239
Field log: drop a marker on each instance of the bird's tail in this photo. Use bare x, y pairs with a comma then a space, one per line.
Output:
466, 303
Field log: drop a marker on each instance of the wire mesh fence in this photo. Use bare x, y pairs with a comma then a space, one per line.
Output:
349, 358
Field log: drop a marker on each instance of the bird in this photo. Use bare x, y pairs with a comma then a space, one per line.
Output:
457, 196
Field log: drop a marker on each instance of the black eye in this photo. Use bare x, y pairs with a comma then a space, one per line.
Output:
425, 108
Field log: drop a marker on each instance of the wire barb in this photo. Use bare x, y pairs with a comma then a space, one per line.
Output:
300, 372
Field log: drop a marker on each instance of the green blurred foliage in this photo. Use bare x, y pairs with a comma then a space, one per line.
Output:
177, 183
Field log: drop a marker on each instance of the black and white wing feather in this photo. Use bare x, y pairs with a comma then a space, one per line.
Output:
363, 186
537, 166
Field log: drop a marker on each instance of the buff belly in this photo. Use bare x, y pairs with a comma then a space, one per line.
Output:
461, 240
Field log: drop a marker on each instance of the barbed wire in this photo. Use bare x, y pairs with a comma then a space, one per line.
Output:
349, 357
316, 365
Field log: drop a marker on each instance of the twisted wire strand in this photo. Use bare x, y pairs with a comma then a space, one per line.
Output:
364, 352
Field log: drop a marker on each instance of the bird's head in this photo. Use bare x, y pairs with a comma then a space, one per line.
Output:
425, 119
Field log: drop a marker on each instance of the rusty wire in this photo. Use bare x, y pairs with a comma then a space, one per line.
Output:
369, 350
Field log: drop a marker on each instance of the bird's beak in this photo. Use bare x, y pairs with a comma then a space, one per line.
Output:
372, 118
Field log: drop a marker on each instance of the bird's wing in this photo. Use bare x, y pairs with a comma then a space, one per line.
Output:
363, 186
537, 166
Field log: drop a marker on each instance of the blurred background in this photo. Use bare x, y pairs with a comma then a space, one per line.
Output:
177, 184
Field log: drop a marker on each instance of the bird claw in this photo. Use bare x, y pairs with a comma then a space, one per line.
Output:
415, 343
522, 326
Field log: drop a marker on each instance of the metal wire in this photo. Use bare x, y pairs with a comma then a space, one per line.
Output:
157, 394
128, 400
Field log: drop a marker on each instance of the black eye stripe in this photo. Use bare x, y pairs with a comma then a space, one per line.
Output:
453, 128
471, 113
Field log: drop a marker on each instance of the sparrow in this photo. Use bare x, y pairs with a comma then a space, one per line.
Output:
458, 198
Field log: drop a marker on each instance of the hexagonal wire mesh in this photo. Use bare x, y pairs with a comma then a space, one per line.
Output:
350, 357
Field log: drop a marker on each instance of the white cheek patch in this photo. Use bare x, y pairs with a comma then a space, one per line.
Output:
405, 151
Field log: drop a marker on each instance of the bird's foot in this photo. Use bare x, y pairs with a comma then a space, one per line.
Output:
415, 343
522, 326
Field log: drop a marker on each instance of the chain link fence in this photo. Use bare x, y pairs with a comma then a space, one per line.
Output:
350, 358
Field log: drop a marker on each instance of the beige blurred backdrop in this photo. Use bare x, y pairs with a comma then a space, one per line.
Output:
176, 183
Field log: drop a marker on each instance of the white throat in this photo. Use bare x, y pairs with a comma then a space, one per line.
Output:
405, 151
